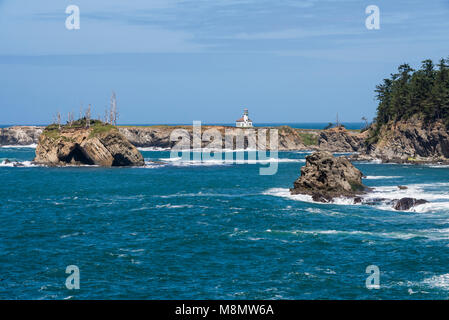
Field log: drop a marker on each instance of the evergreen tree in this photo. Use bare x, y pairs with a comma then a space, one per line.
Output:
423, 92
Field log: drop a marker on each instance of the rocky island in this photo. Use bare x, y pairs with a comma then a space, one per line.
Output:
79, 144
326, 177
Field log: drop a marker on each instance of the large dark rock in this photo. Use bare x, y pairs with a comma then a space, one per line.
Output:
100, 145
407, 203
321, 197
325, 177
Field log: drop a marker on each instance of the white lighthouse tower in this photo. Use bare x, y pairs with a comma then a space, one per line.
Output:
244, 121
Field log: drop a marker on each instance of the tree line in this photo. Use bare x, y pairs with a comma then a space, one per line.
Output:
423, 92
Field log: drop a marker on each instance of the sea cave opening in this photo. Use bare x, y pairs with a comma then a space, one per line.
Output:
77, 156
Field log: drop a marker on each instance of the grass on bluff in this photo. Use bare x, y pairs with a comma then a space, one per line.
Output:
308, 139
100, 128
97, 127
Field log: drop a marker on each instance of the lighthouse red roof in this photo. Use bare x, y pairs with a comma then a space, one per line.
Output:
242, 120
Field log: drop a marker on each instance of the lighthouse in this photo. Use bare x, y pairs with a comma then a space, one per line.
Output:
244, 121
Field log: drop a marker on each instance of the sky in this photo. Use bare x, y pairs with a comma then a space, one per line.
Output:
176, 61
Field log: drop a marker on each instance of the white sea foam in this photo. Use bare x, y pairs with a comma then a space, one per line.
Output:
172, 206
390, 235
285, 193
18, 164
438, 281
29, 146
431, 234
374, 161
381, 177
178, 161
438, 191
152, 149
438, 199
151, 165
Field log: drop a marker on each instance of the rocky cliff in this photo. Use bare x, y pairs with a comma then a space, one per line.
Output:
339, 139
100, 145
412, 141
159, 136
333, 140
20, 135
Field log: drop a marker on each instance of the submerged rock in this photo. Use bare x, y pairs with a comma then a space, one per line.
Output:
101, 144
325, 177
321, 197
408, 203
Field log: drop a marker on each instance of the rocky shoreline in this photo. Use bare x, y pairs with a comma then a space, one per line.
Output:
290, 139
411, 141
20, 135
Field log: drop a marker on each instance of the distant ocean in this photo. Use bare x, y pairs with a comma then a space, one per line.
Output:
214, 230
300, 125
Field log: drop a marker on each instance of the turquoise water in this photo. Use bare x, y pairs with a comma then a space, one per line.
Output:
215, 231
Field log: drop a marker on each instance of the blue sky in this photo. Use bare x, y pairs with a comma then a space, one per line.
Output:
175, 61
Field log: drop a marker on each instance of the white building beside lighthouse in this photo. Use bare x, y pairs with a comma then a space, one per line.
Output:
244, 121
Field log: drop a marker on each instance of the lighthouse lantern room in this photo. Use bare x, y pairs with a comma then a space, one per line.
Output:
244, 121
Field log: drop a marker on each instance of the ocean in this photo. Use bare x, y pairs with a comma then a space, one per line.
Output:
192, 230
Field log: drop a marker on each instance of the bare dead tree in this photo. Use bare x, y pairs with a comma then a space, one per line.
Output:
88, 117
114, 110
59, 120
106, 114
70, 118
111, 117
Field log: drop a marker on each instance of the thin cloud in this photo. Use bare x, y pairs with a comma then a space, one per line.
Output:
293, 34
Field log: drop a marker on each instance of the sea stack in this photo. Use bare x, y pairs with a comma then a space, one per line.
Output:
325, 177
77, 144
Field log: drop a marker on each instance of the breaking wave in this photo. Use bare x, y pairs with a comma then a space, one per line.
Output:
18, 164
178, 161
17, 146
381, 177
431, 234
152, 149
382, 197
